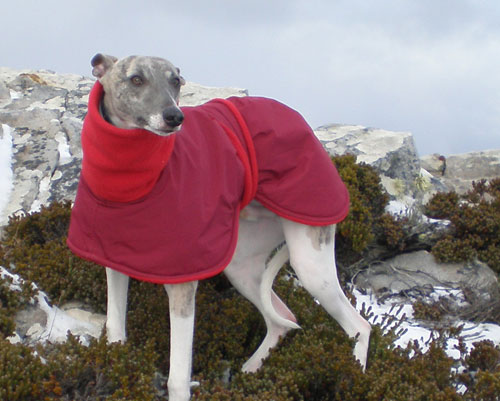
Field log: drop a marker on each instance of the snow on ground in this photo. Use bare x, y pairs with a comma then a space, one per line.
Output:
412, 330
6, 175
59, 322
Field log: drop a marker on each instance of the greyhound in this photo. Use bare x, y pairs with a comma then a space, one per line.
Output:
143, 92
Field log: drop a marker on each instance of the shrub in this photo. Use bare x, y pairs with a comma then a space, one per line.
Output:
35, 246
21, 373
315, 363
100, 371
481, 372
367, 203
12, 301
476, 224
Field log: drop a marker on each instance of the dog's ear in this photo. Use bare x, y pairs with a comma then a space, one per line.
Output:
101, 63
183, 81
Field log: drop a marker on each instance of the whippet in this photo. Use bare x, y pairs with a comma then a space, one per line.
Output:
143, 92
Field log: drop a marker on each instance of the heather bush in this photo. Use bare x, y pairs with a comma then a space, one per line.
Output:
35, 247
368, 201
475, 217
315, 363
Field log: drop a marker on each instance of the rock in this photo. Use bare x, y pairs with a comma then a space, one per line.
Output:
406, 272
4, 93
193, 94
40, 321
83, 313
462, 169
27, 318
45, 112
392, 154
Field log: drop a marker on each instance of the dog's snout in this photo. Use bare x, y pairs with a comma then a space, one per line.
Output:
173, 116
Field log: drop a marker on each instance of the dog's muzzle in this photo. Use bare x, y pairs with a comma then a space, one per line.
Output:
173, 116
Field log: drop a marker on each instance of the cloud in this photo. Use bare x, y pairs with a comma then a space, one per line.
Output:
427, 66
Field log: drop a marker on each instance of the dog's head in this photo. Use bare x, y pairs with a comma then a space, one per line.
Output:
140, 92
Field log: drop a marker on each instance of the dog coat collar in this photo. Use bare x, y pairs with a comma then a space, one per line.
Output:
119, 164
185, 228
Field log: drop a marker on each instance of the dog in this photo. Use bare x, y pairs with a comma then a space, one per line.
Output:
138, 100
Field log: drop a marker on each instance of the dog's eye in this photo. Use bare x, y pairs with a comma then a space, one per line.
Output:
137, 80
176, 82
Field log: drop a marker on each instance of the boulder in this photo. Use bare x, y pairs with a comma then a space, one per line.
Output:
419, 270
44, 112
392, 154
457, 172
40, 321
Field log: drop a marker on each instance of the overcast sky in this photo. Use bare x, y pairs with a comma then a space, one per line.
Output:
431, 67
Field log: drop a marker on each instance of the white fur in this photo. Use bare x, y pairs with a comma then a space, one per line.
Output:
311, 252
156, 122
313, 262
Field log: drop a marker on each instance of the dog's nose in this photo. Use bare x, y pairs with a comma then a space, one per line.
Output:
173, 116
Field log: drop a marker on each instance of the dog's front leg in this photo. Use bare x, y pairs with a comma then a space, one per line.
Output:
181, 299
117, 305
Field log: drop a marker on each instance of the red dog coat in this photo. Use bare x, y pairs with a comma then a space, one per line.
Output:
165, 209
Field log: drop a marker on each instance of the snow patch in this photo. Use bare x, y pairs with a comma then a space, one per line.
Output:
63, 148
15, 95
59, 322
6, 174
43, 194
398, 312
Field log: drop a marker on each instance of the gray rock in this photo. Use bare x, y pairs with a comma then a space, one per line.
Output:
392, 154
4, 93
420, 270
462, 169
27, 318
193, 94
40, 321
46, 111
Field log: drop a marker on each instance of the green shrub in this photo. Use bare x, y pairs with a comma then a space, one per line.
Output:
367, 204
35, 246
11, 302
475, 217
481, 372
101, 371
315, 363
21, 373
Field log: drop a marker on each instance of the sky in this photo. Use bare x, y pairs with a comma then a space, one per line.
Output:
430, 67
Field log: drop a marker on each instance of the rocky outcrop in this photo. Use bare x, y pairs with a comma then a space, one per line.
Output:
409, 271
393, 154
43, 322
41, 116
457, 172
43, 113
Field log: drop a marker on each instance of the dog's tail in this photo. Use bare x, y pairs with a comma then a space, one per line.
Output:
266, 287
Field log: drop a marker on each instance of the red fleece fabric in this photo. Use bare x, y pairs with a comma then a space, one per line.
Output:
122, 165
185, 227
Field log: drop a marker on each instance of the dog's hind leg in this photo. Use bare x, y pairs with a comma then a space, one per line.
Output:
117, 305
181, 302
246, 272
312, 257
